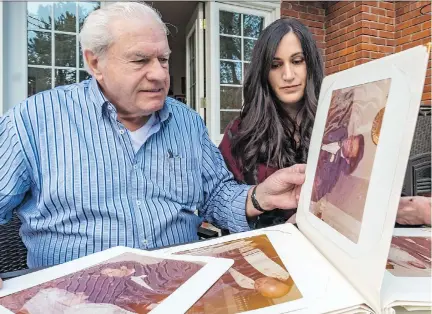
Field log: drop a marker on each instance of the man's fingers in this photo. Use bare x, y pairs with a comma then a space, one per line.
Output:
296, 178
298, 168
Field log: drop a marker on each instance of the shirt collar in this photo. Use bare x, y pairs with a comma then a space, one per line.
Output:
101, 102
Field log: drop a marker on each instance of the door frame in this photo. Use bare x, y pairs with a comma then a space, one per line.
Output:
196, 26
271, 12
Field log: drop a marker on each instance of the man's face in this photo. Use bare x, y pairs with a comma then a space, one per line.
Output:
134, 74
350, 146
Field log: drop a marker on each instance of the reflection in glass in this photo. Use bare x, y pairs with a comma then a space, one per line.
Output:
230, 97
252, 25
38, 80
84, 9
230, 72
39, 48
248, 47
80, 57
64, 77
229, 23
65, 51
65, 16
39, 15
83, 75
230, 48
226, 117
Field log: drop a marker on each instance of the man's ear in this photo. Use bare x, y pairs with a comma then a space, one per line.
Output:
94, 63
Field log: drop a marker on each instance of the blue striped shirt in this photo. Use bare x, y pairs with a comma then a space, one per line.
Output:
69, 169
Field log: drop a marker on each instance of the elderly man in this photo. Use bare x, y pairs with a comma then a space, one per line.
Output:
113, 161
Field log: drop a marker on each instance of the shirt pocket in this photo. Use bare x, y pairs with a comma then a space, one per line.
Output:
184, 180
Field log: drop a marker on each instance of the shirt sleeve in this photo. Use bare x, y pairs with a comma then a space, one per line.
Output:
14, 178
224, 199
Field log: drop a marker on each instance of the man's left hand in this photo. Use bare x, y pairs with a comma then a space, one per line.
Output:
280, 190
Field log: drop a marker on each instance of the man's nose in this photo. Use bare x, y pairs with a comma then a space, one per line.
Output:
156, 72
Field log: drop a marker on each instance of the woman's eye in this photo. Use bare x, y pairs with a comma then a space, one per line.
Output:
298, 61
275, 65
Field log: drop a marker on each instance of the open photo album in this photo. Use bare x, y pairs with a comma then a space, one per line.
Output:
346, 256
115, 281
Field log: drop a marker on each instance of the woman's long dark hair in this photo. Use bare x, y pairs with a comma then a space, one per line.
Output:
266, 132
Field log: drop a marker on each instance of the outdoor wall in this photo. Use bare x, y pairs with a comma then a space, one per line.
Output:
350, 33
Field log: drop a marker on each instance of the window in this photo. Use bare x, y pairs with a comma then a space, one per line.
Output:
238, 34
54, 56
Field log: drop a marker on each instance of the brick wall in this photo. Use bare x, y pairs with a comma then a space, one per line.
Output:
355, 32
310, 13
412, 29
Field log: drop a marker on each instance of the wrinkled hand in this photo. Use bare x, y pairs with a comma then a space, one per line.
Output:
414, 210
282, 188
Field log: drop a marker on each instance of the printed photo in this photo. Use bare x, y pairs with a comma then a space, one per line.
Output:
257, 279
128, 283
410, 257
347, 155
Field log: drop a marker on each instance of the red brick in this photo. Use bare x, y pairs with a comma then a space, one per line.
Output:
370, 32
403, 40
290, 13
426, 25
313, 10
354, 12
386, 5
377, 40
347, 22
410, 30
421, 35
317, 31
377, 11
311, 17
374, 25
387, 20
385, 49
377, 55
390, 13
299, 8
386, 34
312, 23
354, 26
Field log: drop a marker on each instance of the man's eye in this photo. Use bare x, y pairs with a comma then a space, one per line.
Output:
163, 60
140, 61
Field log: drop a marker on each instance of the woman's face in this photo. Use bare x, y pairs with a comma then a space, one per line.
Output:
288, 71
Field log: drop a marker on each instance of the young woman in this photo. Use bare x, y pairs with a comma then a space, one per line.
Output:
275, 124
280, 99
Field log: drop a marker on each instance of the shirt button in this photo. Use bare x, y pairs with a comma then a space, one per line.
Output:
110, 108
144, 242
121, 132
138, 202
135, 167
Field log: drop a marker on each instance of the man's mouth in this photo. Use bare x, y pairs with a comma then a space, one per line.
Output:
155, 90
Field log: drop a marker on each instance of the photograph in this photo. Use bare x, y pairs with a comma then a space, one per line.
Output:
257, 279
410, 257
347, 154
128, 283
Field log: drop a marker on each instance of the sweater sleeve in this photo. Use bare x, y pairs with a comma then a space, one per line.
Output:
225, 149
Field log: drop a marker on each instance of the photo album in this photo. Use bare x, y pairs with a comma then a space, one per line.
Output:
344, 256
119, 280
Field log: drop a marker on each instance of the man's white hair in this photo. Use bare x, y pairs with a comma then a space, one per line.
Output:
96, 35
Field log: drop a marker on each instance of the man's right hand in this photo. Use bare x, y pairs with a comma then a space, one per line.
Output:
1, 283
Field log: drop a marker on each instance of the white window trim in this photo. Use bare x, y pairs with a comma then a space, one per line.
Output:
271, 11
13, 56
